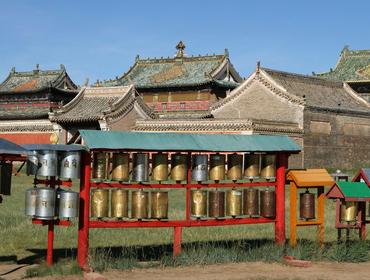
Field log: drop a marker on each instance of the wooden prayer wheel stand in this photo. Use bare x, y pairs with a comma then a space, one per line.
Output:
315, 179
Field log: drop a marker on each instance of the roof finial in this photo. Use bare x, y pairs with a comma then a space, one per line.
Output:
226, 52
137, 58
180, 49
86, 83
62, 67
258, 66
13, 69
37, 67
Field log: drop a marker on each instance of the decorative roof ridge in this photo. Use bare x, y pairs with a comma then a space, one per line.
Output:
355, 95
209, 120
231, 70
69, 106
38, 90
339, 110
107, 91
184, 58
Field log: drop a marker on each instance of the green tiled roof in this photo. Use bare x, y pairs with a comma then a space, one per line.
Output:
354, 189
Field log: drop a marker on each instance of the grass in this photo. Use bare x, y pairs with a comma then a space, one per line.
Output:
63, 267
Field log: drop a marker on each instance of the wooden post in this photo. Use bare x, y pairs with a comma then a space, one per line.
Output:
320, 214
280, 198
49, 254
293, 214
177, 237
362, 219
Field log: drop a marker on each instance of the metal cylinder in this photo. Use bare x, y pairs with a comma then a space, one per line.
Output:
179, 167
348, 211
100, 166
68, 204
45, 204
233, 203
267, 203
30, 202
268, 166
159, 205
160, 167
198, 203
251, 203
120, 167
216, 204
140, 172
70, 163
32, 163
234, 167
217, 167
48, 161
252, 166
307, 206
119, 204
139, 204
99, 203
199, 170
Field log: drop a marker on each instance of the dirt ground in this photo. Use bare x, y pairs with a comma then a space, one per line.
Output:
256, 271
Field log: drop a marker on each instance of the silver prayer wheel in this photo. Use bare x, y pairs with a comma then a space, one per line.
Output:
139, 204
159, 205
251, 202
198, 203
45, 204
233, 203
199, 170
32, 163
252, 166
119, 203
140, 172
120, 167
99, 165
234, 167
268, 203
160, 167
70, 163
68, 204
217, 167
99, 203
268, 166
30, 202
179, 167
48, 161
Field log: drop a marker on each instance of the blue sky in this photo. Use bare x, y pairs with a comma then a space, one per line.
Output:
100, 39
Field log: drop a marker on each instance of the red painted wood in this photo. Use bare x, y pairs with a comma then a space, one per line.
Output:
27, 138
282, 162
177, 238
65, 223
56, 182
49, 254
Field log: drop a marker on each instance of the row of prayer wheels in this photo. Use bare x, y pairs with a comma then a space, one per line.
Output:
250, 202
203, 166
118, 202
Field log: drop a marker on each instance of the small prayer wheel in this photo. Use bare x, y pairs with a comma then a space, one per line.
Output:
160, 167
99, 203
268, 166
159, 205
199, 171
348, 211
140, 172
217, 167
234, 167
251, 202
179, 167
119, 203
198, 203
268, 203
99, 165
216, 204
139, 204
307, 206
252, 166
233, 203
120, 167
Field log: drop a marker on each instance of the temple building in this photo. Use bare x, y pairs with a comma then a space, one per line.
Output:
26, 98
353, 67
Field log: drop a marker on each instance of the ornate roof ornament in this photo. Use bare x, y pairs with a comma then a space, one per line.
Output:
180, 49
62, 67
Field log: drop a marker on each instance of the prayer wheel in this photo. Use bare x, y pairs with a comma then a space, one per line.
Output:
199, 171
348, 211
45, 204
68, 204
307, 206
198, 203
233, 203
99, 165
234, 167
139, 204
30, 202
251, 202
160, 167
119, 204
268, 166
216, 204
179, 167
70, 165
120, 167
32, 163
48, 161
252, 166
140, 172
99, 203
159, 205
217, 167
267, 203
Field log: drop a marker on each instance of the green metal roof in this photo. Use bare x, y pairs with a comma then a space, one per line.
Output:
187, 142
354, 189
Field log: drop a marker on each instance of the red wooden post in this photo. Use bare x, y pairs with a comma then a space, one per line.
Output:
83, 224
188, 182
177, 237
49, 254
280, 198
362, 230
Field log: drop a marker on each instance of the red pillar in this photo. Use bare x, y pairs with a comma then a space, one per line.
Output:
282, 162
362, 231
177, 237
83, 224
49, 254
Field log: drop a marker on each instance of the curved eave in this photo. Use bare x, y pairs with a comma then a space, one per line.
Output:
70, 105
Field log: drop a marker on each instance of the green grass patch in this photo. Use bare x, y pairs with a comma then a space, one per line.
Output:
63, 267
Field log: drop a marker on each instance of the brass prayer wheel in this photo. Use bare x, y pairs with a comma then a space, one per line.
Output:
99, 203
233, 203
179, 167
198, 203
268, 203
251, 202
119, 203
217, 167
99, 165
160, 167
252, 166
216, 204
120, 167
139, 204
268, 166
234, 167
159, 205
307, 206
348, 211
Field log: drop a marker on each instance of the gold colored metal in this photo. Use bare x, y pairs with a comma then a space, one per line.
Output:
234, 167
233, 203
100, 165
348, 211
251, 203
120, 167
99, 203
119, 203
268, 166
139, 204
268, 203
217, 167
159, 205
252, 166
198, 203
179, 167
160, 167
216, 204
307, 206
